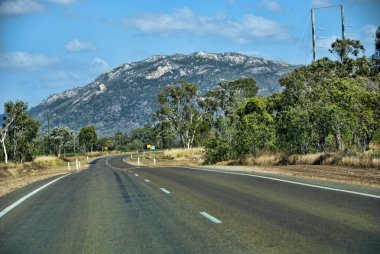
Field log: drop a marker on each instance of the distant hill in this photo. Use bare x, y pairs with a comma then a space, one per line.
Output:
123, 99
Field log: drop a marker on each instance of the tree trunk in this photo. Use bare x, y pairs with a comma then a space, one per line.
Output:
338, 141
5, 151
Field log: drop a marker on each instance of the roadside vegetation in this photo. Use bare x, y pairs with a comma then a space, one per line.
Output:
328, 113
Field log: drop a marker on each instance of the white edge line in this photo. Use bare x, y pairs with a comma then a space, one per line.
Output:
165, 190
109, 165
210, 218
9, 208
287, 181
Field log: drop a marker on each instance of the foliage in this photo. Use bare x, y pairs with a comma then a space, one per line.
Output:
257, 127
342, 48
59, 138
87, 138
180, 106
325, 107
217, 149
228, 95
18, 133
225, 124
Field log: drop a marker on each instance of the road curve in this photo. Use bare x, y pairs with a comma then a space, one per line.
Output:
113, 207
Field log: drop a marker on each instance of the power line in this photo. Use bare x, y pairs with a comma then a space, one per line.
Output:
300, 40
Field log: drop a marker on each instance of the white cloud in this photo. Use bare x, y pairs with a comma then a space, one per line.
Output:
77, 45
320, 3
271, 5
250, 28
19, 7
99, 66
67, 2
22, 61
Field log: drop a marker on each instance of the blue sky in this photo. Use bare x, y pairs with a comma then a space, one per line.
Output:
48, 46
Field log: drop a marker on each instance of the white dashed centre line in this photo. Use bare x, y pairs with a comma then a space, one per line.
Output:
165, 190
210, 218
147, 180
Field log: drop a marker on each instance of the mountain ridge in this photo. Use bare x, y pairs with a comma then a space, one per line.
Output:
122, 99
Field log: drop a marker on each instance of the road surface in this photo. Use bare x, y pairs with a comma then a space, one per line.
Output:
112, 207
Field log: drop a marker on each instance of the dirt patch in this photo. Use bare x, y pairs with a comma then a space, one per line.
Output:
366, 176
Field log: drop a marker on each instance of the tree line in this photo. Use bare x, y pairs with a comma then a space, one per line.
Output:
21, 141
323, 107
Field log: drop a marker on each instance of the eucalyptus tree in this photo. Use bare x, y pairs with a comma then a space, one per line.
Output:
59, 138
18, 130
87, 137
183, 108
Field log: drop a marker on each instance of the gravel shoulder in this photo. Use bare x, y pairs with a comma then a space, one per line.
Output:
361, 176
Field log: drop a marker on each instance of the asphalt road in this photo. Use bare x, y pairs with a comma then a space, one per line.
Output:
113, 207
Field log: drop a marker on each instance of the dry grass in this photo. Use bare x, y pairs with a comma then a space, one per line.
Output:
351, 161
172, 157
196, 152
264, 160
49, 161
363, 160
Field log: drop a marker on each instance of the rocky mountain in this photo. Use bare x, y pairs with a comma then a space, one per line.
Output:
123, 99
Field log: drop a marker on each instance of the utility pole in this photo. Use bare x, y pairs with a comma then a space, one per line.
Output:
74, 143
313, 35
48, 118
342, 16
313, 28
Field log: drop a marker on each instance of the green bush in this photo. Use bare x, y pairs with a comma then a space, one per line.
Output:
217, 149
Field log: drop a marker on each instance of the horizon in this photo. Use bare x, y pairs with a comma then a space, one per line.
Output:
48, 47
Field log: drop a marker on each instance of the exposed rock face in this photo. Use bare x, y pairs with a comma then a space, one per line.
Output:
124, 98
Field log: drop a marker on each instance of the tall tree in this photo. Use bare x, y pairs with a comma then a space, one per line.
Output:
345, 47
19, 125
59, 137
87, 137
179, 105
224, 100
22, 138
228, 95
257, 127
